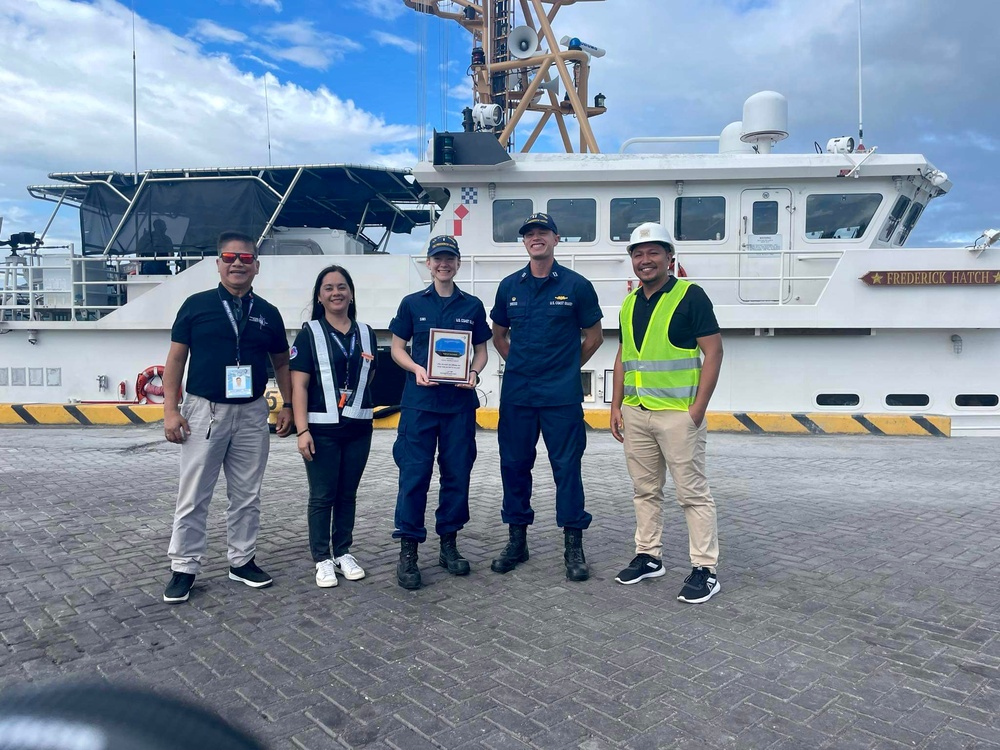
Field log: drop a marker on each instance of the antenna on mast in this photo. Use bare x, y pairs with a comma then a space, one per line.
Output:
135, 106
267, 119
861, 127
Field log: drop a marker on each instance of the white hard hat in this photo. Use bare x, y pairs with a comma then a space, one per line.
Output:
650, 232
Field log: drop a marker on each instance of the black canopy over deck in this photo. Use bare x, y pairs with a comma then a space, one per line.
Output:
118, 212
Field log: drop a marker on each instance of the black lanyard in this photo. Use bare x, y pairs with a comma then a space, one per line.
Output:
238, 328
348, 354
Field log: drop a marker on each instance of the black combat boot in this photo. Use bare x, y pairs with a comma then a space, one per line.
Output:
451, 558
407, 572
515, 552
576, 563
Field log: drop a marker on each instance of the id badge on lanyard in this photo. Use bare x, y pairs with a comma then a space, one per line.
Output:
239, 381
239, 378
346, 391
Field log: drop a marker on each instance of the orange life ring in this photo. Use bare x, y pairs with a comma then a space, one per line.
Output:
679, 271
144, 387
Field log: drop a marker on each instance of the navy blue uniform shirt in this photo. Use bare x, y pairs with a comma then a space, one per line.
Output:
204, 327
420, 312
545, 317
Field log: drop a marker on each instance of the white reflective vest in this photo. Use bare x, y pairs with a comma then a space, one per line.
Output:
323, 356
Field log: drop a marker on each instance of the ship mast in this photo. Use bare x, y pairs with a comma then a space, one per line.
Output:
518, 69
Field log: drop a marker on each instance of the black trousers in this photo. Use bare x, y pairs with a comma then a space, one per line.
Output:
334, 475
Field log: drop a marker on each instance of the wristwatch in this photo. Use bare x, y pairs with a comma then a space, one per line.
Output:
478, 379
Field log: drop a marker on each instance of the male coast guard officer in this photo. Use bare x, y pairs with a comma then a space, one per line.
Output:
538, 317
435, 415
228, 333
661, 392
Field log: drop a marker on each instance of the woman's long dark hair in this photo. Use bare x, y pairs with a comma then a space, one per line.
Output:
317, 307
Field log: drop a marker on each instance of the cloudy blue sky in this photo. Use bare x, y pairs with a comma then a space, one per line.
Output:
344, 84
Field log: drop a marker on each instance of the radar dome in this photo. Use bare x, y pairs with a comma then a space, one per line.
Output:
765, 120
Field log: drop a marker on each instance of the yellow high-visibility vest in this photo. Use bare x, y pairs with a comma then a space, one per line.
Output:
659, 376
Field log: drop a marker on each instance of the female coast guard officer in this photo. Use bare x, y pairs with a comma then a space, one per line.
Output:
435, 415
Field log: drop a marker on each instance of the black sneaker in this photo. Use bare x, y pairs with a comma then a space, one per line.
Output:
250, 574
179, 588
700, 586
642, 566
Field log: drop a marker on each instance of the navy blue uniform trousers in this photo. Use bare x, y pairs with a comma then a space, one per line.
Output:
565, 436
420, 433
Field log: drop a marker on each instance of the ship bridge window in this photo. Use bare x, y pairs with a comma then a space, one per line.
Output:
840, 217
508, 216
575, 217
908, 223
892, 221
701, 218
628, 213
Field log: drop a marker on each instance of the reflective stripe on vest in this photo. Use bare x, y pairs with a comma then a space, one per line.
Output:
659, 376
328, 381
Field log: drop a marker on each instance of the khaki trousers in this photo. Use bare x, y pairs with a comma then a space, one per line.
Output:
238, 445
654, 442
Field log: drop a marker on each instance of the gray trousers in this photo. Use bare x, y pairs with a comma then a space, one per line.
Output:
238, 445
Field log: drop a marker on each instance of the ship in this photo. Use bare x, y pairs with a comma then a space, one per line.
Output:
825, 308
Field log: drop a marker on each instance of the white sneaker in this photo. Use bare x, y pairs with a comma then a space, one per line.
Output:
348, 567
326, 574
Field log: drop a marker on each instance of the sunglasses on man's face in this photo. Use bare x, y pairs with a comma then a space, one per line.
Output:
245, 258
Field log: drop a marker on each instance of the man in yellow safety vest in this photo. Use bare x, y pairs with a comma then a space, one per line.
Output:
661, 393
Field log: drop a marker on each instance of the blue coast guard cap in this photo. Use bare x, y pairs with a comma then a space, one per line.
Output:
538, 220
443, 244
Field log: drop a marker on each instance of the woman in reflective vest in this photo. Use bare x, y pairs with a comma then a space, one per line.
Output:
333, 363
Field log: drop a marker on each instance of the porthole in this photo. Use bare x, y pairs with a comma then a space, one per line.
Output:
907, 399
977, 400
838, 399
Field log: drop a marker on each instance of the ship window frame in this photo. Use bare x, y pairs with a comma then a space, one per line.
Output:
841, 394
913, 214
680, 237
896, 214
915, 397
863, 228
994, 396
515, 212
614, 221
565, 220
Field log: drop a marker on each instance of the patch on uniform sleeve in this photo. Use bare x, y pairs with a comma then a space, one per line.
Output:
292, 353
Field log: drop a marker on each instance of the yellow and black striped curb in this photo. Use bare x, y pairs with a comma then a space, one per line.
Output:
756, 423
83, 414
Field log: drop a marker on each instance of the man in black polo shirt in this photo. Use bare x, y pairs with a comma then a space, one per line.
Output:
228, 332
661, 393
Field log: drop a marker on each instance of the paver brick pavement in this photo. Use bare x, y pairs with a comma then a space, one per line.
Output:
860, 603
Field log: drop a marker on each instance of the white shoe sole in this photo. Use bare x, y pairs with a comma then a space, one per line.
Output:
326, 584
715, 590
654, 574
176, 599
251, 584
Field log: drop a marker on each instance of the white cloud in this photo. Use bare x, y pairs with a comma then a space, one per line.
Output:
306, 46
209, 31
73, 112
407, 45
274, 5
387, 9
